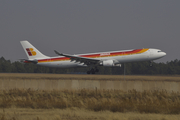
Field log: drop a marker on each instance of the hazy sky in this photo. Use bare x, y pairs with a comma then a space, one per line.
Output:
87, 26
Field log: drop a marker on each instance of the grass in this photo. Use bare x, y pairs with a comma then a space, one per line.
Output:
83, 104
23, 76
94, 100
77, 114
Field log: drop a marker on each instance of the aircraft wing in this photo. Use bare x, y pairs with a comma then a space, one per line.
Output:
85, 60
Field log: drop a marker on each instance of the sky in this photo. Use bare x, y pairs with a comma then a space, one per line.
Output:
88, 26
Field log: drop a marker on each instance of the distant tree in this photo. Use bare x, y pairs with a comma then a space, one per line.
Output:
18, 67
5, 65
136, 68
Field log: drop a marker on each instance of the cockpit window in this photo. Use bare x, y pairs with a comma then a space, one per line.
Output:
159, 51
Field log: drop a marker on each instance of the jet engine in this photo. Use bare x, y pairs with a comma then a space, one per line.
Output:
109, 63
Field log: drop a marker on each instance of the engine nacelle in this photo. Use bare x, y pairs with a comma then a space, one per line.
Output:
118, 65
109, 63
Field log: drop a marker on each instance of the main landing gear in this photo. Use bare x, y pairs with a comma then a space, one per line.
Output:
92, 71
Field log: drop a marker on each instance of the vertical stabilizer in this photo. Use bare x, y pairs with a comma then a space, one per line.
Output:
31, 51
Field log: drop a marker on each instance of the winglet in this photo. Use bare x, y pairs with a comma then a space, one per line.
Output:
58, 53
65, 55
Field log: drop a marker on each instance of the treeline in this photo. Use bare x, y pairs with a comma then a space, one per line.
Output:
136, 68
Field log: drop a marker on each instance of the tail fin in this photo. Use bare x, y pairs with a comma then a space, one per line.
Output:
31, 51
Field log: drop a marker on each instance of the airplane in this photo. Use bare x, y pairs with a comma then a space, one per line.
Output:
92, 60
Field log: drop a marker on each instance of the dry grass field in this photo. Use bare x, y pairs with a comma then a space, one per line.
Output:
16, 76
94, 100
21, 104
77, 114
88, 104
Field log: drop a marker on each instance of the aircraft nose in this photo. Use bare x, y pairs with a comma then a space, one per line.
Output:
163, 53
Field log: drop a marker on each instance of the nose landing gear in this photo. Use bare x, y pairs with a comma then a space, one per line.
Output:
151, 63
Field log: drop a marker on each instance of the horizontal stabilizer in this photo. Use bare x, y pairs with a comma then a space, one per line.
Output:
29, 61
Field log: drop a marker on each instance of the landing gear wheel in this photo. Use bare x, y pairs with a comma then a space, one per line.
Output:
92, 71
88, 72
96, 70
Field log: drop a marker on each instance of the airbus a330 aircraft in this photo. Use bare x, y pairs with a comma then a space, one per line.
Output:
92, 60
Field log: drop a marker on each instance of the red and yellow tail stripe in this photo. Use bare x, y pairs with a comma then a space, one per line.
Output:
99, 55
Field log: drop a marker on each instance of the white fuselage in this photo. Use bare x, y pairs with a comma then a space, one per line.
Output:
149, 55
